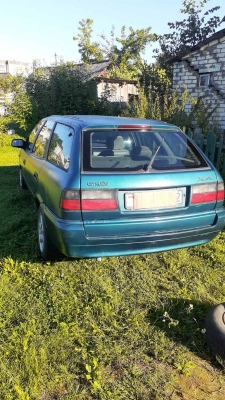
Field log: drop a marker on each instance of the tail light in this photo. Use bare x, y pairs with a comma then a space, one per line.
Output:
89, 200
207, 193
99, 200
70, 200
220, 191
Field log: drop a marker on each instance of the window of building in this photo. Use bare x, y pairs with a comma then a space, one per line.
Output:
204, 80
42, 139
60, 146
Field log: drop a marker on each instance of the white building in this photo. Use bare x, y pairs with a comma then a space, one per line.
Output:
14, 67
202, 70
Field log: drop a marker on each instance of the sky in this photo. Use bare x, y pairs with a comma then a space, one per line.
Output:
38, 30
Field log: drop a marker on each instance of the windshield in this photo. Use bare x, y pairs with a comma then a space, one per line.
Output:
139, 151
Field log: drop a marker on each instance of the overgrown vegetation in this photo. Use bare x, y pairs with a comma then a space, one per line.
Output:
170, 107
123, 328
66, 90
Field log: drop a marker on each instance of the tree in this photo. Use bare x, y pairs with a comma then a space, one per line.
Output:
195, 28
126, 57
89, 50
124, 52
155, 78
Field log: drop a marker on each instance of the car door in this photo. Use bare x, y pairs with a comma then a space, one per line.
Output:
35, 156
60, 169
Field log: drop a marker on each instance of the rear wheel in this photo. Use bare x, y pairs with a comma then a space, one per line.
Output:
22, 181
46, 248
215, 330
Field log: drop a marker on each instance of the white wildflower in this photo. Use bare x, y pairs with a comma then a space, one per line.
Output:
165, 314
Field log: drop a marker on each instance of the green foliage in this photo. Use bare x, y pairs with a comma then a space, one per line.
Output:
21, 110
65, 89
188, 32
4, 124
5, 141
88, 51
170, 107
61, 90
124, 52
155, 78
10, 83
126, 58
200, 116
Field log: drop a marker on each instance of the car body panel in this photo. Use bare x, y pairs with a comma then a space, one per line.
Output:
70, 238
31, 167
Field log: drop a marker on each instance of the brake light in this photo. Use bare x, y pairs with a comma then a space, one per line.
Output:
207, 193
99, 200
134, 127
89, 200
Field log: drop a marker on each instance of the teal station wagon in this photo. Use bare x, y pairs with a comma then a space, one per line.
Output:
110, 186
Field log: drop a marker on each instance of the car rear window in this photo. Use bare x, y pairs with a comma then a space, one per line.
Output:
108, 150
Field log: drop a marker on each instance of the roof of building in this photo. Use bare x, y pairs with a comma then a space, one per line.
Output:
94, 69
116, 80
215, 36
21, 63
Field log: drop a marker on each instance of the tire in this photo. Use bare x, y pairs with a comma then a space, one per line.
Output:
46, 248
22, 181
215, 330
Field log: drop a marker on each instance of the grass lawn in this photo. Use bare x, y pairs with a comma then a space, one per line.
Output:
126, 328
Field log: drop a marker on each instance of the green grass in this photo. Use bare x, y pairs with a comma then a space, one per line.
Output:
124, 328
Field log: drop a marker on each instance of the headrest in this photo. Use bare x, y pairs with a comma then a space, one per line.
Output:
142, 151
113, 143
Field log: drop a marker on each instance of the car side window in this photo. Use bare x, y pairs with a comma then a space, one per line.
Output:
32, 136
60, 146
42, 139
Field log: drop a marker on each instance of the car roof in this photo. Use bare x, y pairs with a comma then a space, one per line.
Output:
99, 120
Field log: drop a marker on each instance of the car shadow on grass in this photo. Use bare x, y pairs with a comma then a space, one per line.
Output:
18, 218
183, 321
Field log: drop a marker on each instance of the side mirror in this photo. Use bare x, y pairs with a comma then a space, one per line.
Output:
18, 143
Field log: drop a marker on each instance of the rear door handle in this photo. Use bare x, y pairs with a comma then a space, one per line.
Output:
24, 162
36, 175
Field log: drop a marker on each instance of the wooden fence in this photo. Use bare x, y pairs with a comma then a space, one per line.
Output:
212, 146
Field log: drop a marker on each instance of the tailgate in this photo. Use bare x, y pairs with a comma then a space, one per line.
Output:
138, 180
147, 203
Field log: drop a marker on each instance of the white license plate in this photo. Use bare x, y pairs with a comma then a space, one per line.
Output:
154, 199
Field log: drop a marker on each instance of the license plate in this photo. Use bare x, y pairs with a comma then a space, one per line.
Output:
155, 199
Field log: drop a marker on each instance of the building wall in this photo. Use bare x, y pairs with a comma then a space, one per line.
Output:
14, 67
118, 92
210, 59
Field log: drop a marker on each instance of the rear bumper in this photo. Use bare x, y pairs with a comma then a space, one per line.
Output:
69, 237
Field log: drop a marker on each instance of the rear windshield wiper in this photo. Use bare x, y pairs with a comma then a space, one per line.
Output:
149, 166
